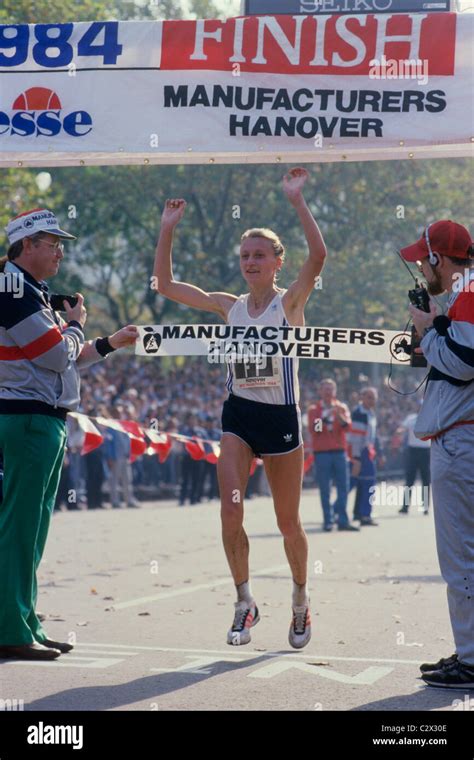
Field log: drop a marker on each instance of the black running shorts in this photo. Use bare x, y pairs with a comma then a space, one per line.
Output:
266, 428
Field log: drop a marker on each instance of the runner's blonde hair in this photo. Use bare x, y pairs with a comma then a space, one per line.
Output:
264, 232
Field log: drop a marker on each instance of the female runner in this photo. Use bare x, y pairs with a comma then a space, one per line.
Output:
261, 417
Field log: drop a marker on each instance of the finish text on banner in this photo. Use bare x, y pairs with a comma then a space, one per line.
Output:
249, 89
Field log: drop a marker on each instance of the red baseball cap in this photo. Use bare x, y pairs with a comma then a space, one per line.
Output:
445, 237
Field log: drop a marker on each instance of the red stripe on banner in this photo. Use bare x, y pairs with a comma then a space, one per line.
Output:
43, 344
326, 45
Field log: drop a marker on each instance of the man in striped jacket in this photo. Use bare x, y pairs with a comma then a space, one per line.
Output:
40, 355
446, 257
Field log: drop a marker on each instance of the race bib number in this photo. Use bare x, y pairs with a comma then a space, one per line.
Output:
262, 373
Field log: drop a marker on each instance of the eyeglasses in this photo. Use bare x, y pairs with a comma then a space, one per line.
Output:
56, 246
419, 266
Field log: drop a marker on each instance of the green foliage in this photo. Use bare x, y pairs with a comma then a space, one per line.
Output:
357, 206
19, 192
207, 9
62, 11
54, 11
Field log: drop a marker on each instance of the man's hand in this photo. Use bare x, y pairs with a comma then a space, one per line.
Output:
78, 313
341, 413
173, 212
421, 319
293, 184
127, 336
356, 467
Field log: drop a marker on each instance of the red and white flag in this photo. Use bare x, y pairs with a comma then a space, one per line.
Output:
93, 438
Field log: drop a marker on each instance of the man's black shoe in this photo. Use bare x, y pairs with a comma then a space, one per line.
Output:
367, 521
327, 528
63, 647
458, 676
33, 651
403, 511
444, 662
348, 526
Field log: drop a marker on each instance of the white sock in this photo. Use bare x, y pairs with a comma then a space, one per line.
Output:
244, 592
300, 594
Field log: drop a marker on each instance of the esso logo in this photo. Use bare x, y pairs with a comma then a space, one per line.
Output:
37, 112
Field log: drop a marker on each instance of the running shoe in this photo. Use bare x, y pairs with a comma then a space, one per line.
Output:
300, 628
444, 662
246, 616
458, 676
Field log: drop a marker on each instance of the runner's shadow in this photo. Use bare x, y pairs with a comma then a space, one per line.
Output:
424, 699
410, 578
114, 696
278, 535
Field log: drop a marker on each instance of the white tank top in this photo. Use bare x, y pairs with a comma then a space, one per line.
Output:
275, 379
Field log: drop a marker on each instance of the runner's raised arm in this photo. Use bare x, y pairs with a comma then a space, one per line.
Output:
182, 292
299, 291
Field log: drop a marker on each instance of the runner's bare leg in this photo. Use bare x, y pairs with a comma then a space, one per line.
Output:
285, 477
233, 468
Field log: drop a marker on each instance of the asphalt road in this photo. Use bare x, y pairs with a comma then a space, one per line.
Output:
147, 598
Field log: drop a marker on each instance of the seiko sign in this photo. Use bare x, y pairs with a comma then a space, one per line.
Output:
324, 7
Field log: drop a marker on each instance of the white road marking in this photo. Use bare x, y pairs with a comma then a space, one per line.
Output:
83, 649
198, 666
202, 661
202, 666
190, 589
306, 655
366, 677
71, 662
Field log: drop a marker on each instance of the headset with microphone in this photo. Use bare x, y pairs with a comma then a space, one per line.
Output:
433, 258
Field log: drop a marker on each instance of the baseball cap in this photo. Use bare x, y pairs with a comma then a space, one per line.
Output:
31, 222
445, 237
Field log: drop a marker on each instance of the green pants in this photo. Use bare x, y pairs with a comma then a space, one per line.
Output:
33, 451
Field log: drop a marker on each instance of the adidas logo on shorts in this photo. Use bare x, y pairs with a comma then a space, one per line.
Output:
287, 438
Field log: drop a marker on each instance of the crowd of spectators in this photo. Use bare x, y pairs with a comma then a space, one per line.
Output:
185, 395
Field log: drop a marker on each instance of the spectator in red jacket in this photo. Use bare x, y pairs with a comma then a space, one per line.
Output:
328, 421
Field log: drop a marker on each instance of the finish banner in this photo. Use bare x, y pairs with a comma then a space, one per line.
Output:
302, 88
257, 345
